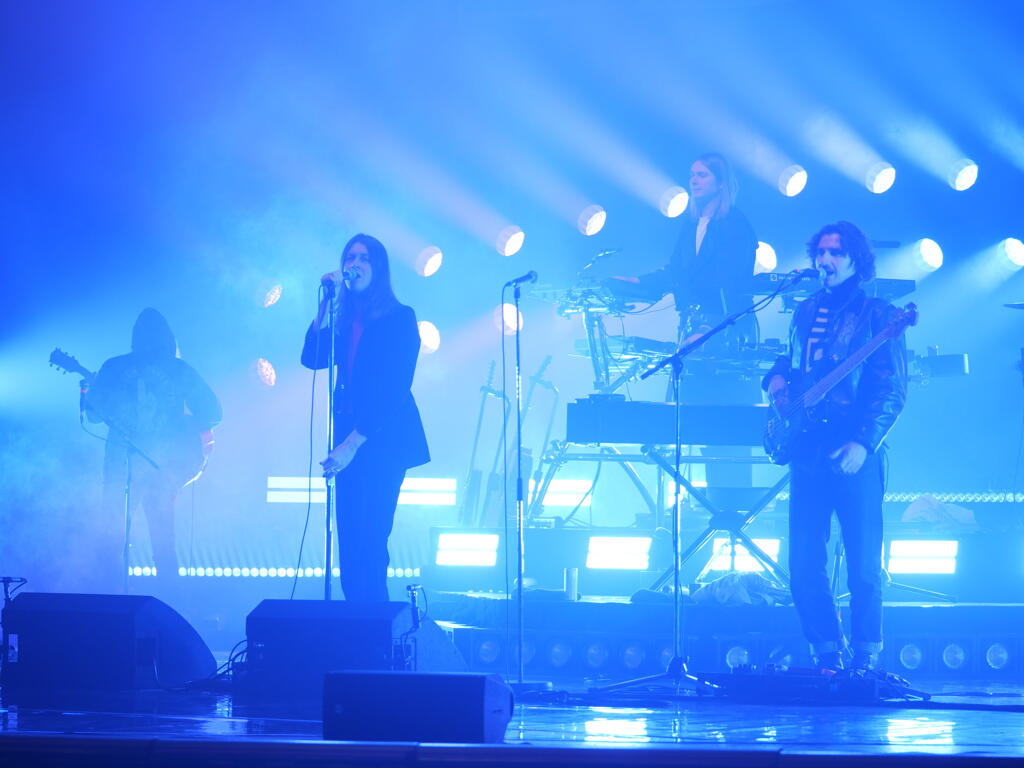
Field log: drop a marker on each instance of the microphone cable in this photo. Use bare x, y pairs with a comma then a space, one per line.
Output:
309, 465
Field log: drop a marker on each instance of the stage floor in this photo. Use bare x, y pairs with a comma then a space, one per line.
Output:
963, 723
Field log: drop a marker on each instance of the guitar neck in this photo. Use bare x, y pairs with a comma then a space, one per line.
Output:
817, 392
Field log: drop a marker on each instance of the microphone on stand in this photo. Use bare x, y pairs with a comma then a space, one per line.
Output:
529, 277
327, 281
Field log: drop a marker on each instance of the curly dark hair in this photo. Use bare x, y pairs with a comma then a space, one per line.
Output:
854, 243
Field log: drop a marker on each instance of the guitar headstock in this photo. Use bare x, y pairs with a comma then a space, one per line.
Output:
903, 319
68, 364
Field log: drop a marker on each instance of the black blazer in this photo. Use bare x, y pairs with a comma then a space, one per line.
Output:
377, 398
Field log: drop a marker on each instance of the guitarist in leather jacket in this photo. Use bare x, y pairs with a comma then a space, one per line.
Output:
837, 463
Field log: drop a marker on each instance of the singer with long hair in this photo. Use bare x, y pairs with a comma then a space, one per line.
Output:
377, 427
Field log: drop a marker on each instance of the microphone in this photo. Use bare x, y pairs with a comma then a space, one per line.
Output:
327, 281
529, 277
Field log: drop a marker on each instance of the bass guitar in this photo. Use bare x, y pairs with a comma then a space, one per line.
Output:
792, 418
183, 456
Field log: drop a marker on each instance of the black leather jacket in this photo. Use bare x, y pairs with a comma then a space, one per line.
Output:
864, 406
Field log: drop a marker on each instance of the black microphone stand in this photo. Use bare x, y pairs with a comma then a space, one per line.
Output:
333, 304
113, 426
677, 673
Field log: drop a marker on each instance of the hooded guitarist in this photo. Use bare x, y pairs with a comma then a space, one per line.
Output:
157, 403
837, 457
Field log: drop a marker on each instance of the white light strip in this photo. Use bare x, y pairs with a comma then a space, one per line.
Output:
416, 491
627, 553
723, 560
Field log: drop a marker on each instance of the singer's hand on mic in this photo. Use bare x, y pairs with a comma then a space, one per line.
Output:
335, 280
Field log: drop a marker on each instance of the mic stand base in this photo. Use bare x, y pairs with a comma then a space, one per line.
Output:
675, 676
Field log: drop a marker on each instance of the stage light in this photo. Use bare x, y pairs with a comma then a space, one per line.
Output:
488, 651
929, 253
505, 319
559, 654
310, 572
510, 240
263, 572
272, 296
218, 571
792, 181
591, 220
565, 492
997, 656
730, 556
880, 178
430, 337
963, 175
182, 571
318, 573
136, 571
737, 656
633, 656
266, 371
147, 571
910, 656
1013, 250
620, 552
922, 556
673, 202
429, 260
596, 655
765, 259
954, 656
236, 571
478, 549
246, 573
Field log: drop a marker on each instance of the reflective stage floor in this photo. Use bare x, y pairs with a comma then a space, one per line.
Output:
962, 723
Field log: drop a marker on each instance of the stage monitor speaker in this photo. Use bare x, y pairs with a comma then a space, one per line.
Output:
67, 643
292, 644
464, 708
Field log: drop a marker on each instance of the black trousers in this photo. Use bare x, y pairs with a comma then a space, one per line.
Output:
817, 492
367, 491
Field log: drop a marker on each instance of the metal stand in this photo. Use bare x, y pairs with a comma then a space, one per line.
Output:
520, 516
732, 523
676, 674
332, 495
11, 584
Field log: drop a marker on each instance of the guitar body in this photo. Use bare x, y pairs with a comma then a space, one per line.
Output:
181, 456
793, 418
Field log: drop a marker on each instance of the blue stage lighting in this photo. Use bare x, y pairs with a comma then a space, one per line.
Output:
963, 175
591, 220
917, 556
765, 258
929, 253
510, 240
620, 552
881, 177
1013, 250
910, 656
429, 260
478, 549
674, 201
792, 181
430, 337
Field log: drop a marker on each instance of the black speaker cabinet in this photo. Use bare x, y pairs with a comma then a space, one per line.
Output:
465, 708
62, 643
292, 644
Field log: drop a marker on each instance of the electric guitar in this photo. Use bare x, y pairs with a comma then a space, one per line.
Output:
794, 417
183, 456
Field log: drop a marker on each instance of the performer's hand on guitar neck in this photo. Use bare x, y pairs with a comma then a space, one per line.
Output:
849, 458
